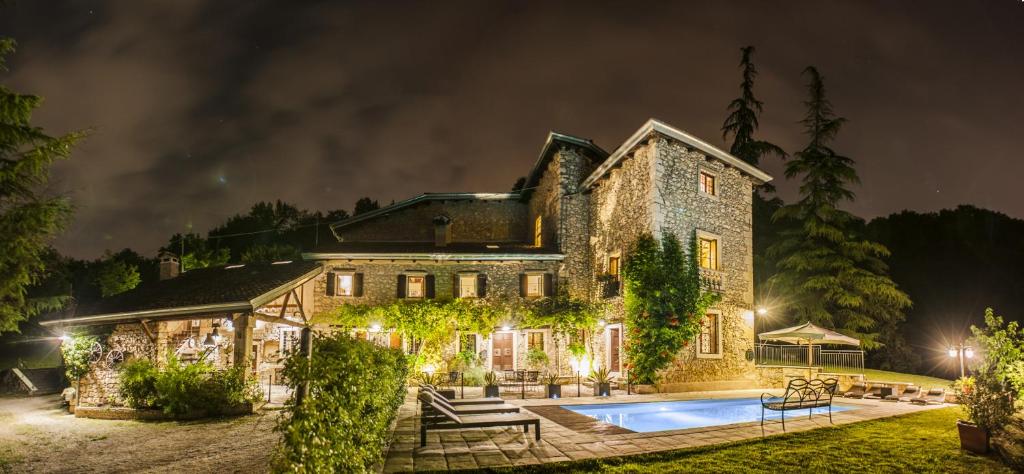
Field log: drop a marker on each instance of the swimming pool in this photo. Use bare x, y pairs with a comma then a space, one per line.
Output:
661, 416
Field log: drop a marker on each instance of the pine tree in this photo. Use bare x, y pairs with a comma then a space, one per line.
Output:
28, 218
827, 273
742, 121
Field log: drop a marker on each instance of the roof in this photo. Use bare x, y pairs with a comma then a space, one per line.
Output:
232, 288
430, 251
654, 125
546, 151
425, 197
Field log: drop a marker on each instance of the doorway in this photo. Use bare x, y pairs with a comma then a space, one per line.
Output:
503, 358
615, 348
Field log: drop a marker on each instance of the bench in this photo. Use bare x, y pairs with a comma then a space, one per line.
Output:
801, 395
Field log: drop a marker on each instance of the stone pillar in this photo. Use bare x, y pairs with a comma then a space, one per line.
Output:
243, 324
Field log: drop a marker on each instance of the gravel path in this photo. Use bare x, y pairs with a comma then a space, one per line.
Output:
36, 435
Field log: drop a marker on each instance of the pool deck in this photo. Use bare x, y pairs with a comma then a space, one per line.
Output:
566, 438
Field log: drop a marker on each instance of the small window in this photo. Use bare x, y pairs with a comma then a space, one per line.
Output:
414, 287
467, 286
708, 253
538, 231
613, 267
535, 285
535, 340
467, 343
346, 284
709, 329
707, 184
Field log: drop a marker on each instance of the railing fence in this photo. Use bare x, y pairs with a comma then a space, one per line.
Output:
779, 354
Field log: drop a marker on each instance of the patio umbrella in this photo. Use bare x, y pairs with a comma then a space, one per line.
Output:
809, 334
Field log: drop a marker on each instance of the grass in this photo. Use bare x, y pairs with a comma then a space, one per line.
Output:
921, 442
923, 381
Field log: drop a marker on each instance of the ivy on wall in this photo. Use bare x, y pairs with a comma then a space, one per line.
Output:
664, 303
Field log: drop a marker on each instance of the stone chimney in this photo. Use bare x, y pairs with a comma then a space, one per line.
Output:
442, 231
170, 266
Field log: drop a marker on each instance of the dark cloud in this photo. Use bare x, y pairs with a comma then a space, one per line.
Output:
201, 108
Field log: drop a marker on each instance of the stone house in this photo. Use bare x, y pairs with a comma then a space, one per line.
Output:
566, 232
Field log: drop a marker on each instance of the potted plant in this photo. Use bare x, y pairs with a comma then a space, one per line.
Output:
491, 384
602, 382
987, 406
554, 387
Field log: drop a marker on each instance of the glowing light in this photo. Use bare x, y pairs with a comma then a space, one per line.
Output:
600, 322
506, 328
969, 353
375, 327
762, 311
65, 338
429, 369
952, 352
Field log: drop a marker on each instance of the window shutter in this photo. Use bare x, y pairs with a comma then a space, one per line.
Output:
522, 285
401, 286
357, 284
429, 282
549, 284
481, 285
455, 285
331, 279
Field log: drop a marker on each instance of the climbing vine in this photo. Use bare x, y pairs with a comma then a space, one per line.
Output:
664, 303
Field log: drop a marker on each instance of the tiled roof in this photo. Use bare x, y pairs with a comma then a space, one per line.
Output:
427, 249
205, 287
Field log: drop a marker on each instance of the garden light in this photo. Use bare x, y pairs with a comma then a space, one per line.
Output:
952, 352
429, 369
375, 327
969, 353
209, 342
600, 322
506, 327
762, 311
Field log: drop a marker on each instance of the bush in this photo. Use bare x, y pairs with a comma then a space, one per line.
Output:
182, 388
138, 383
76, 355
355, 389
536, 358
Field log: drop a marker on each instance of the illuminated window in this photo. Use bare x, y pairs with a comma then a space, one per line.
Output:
707, 184
708, 253
414, 287
467, 286
535, 340
538, 231
708, 343
346, 286
535, 285
613, 267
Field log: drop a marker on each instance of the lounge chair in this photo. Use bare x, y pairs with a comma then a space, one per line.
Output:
801, 395
856, 390
912, 391
451, 421
476, 409
874, 393
460, 402
935, 396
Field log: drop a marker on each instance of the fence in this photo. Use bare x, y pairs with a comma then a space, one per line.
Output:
828, 360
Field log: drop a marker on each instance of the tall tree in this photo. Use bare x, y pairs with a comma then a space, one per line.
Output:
29, 219
827, 273
364, 205
116, 276
742, 121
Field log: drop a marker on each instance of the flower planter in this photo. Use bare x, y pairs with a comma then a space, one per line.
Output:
554, 391
491, 391
973, 438
602, 389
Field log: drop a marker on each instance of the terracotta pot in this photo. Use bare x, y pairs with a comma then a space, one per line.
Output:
973, 438
491, 391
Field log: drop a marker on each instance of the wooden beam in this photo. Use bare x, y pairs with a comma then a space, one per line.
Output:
302, 312
148, 331
278, 320
284, 306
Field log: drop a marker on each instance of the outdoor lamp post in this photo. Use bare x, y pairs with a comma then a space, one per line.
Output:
961, 352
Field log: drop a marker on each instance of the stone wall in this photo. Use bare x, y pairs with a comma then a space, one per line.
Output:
100, 385
485, 220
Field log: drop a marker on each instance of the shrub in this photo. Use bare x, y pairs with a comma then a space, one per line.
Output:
76, 355
138, 383
355, 389
536, 358
178, 385
474, 376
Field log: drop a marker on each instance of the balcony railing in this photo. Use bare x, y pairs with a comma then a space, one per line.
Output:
610, 288
776, 354
711, 280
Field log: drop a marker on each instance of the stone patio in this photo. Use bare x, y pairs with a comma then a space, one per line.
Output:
571, 438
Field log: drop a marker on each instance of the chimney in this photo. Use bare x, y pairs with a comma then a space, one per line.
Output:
170, 266
442, 231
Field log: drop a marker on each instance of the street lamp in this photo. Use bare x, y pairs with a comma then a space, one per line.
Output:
961, 352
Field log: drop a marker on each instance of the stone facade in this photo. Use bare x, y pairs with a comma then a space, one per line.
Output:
100, 385
472, 220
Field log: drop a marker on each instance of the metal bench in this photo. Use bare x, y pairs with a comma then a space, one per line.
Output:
801, 395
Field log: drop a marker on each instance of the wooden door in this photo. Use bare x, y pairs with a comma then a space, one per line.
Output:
614, 349
502, 359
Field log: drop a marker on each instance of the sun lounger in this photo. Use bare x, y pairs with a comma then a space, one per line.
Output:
476, 409
874, 393
451, 421
935, 396
471, 401
856, 390
912, 391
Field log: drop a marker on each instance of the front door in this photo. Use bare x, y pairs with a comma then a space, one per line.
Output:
614, 347
502, 359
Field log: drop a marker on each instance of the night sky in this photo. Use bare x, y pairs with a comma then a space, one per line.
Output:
199, 109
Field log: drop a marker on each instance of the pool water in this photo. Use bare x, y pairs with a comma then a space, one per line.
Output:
662, 416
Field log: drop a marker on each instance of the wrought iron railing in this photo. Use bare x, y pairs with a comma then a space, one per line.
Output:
778, 354
711, 280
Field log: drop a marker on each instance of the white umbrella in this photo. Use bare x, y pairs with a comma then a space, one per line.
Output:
809, 334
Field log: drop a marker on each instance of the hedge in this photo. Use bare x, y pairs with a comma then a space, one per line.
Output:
355, 389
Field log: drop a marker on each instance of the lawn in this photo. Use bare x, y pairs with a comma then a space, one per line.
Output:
922, 381
920, 442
